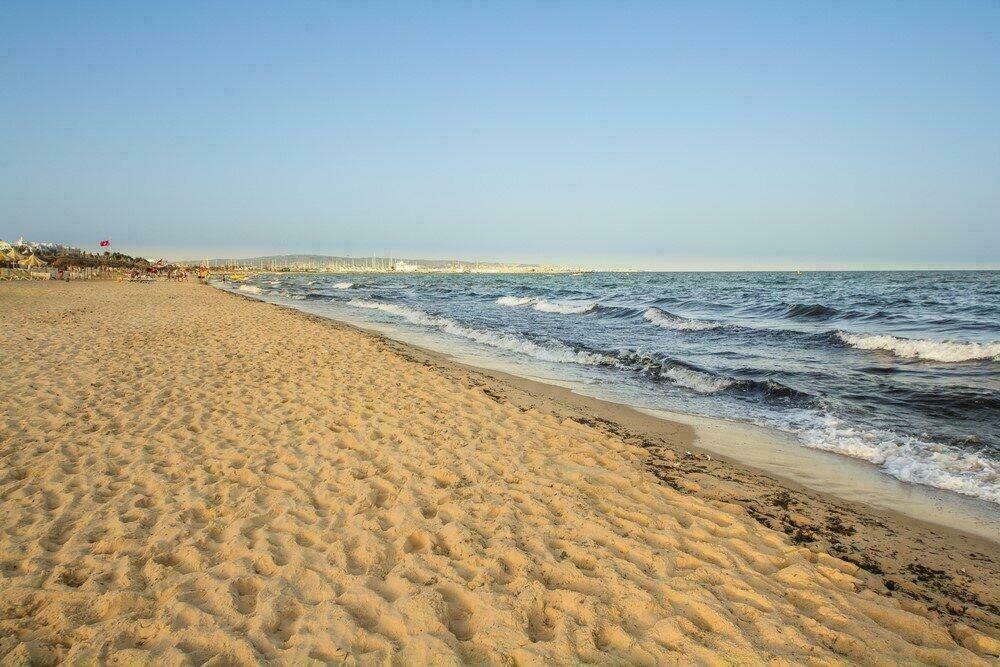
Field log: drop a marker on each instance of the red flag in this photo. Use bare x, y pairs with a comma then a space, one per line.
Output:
105, 243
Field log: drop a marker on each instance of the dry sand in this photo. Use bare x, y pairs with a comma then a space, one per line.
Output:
187, 476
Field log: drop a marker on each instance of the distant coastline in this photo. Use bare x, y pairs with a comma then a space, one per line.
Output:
373, 264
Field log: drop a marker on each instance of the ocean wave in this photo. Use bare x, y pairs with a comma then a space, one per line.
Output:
668, 320
930, 350
821, 313
564, 308
544, 306
906, 458
514, 301
771, 390
660, 367
617, 312
344, 285
810, 311
252, 289
654, 366
547, 351
698, 381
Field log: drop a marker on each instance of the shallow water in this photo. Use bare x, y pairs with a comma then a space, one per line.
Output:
899, 369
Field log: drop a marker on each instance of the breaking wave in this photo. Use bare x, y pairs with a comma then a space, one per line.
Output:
515, 301
906, 458
544, 306
660, 367
548, 351
930, 350
252, 289
698, 381
344, 285
668, 320
656, 367
564, 308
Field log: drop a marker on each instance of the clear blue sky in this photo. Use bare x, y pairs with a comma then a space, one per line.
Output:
661, 135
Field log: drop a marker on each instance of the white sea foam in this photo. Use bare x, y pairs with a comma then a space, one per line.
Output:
564, 308
662, 318
931, 350
552, 351
703, 383
253, 289
515, 301
904, 457
544, 306
343, 285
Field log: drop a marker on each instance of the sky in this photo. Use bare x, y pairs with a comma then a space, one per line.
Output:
702, 135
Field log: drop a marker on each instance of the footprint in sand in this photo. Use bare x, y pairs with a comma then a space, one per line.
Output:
245, 590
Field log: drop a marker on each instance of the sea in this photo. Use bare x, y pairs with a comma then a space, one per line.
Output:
899, 369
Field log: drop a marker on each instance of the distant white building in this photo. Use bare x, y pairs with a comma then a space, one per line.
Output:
406, 266
45, 247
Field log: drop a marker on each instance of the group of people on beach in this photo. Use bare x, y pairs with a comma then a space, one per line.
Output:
139, 276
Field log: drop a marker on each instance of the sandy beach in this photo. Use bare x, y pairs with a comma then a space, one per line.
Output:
189, 476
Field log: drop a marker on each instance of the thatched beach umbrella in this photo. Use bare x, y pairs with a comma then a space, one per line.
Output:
32, 262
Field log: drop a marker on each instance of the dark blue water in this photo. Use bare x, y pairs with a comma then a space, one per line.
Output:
899, 369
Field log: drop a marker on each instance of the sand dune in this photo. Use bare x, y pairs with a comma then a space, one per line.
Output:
190, 476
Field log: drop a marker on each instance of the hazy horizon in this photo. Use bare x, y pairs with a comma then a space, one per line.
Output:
627, 135
625, 263
637, 262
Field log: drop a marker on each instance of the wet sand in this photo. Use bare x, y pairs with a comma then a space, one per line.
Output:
189, 475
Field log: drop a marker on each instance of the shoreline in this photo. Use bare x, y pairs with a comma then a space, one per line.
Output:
189, 476
874, 538
764, 449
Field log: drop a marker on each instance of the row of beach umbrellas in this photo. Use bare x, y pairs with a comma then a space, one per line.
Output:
30, 262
